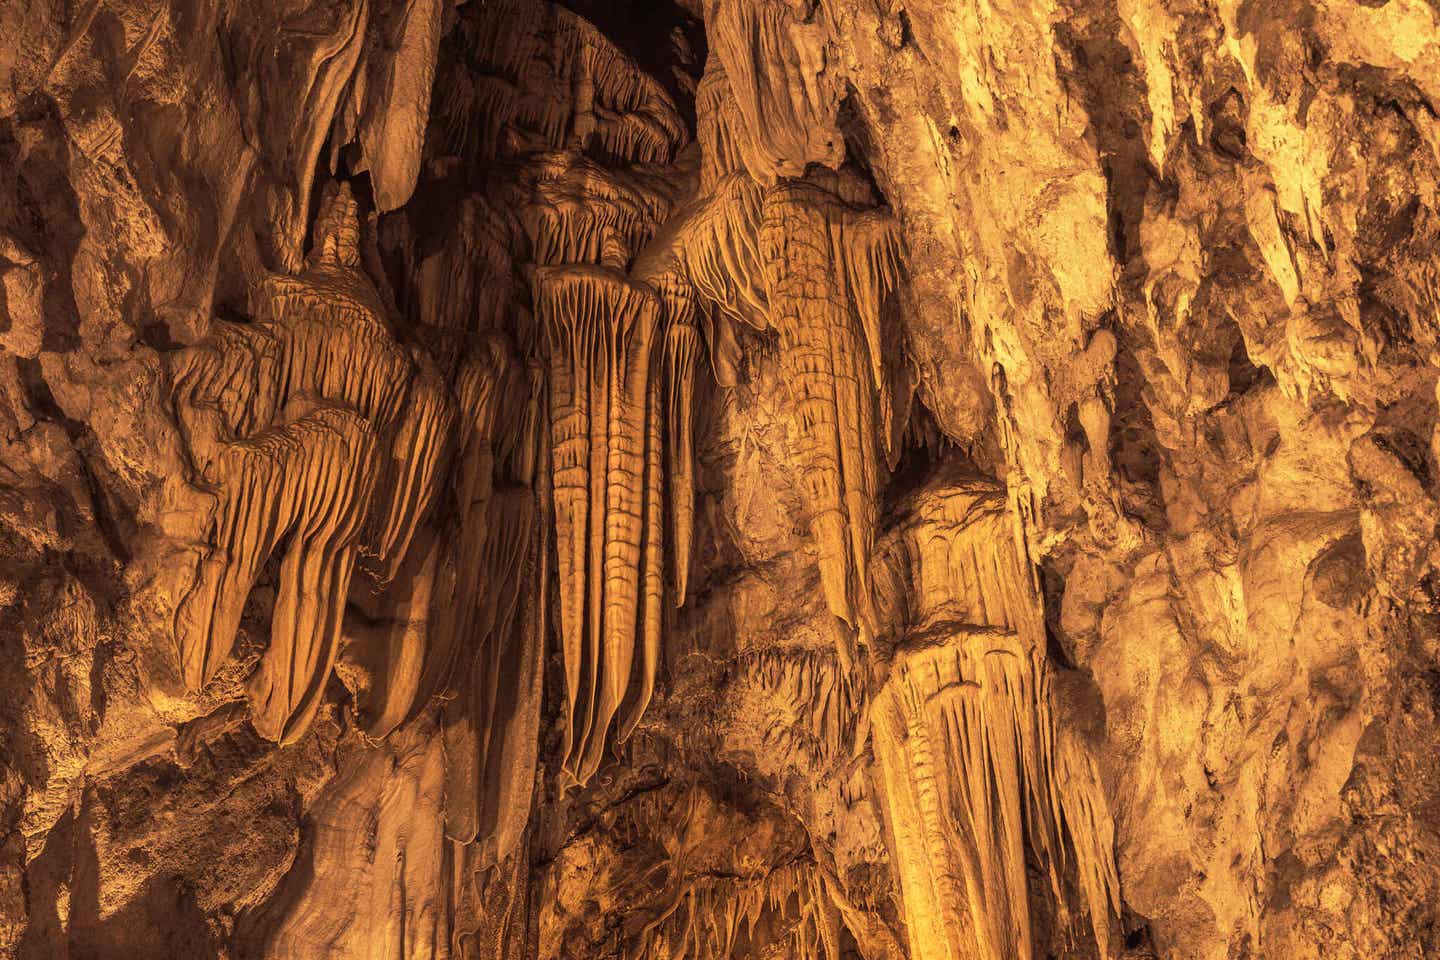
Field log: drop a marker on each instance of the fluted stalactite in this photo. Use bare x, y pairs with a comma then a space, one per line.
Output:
310, 481
827, 270
602, 331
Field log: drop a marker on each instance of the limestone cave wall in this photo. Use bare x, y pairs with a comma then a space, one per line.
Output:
720, 479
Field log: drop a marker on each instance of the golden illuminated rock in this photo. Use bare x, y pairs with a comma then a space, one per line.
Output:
720, 480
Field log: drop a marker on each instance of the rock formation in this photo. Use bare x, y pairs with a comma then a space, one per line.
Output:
720, 479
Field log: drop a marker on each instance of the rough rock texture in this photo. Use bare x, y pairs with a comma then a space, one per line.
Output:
896, 480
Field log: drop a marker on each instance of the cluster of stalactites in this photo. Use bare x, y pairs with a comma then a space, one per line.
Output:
463, 624
787, 912
601, 331
573, 210
335, 342
815, 261
815, 688
539, 73
974, 770
316, 432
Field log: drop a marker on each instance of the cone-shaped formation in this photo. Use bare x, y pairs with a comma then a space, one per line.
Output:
380, 421
968, 752
601, 332
682, 354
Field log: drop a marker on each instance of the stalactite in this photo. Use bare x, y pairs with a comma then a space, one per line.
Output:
306, 484
827, 270
471, 717
966, 745
601, 331
381, 416
652, 572
485, 385
682, 353
335, 343
391, 99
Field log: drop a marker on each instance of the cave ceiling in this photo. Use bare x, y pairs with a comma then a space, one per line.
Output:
719, 480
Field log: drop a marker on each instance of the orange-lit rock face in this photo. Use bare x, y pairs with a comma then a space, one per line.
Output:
736, 479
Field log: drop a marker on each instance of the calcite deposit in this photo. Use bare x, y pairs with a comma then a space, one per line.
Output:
720, 480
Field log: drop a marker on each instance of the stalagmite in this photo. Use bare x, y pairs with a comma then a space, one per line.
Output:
682, 352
